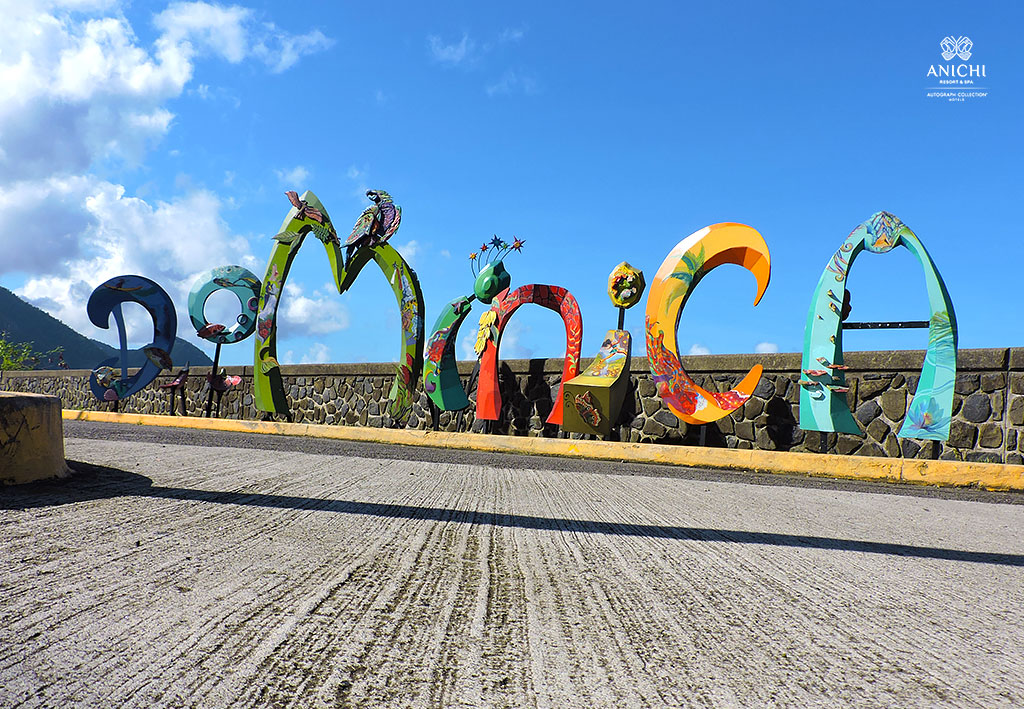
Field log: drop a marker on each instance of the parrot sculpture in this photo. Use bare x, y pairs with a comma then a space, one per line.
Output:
376, 224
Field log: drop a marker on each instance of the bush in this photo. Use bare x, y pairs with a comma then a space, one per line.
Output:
20, 355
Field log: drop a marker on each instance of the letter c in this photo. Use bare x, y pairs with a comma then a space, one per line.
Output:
690, 260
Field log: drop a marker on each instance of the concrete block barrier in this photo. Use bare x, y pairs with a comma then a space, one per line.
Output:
31, 438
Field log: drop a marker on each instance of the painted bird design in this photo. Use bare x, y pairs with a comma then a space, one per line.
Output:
321, 226
376, 224
587, 410
106, 375
265, 318
237, 281
305, 211
158, 356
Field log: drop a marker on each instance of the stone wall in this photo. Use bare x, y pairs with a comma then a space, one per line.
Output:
988, 422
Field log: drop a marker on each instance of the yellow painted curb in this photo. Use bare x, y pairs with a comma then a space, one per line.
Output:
993, 476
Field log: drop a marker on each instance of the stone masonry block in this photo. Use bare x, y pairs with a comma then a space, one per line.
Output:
878, 429
1017, 382
867, 412
976, 408
667, 418
962, 435
870, 388
990, 381
894, 404
990, 435
967, 383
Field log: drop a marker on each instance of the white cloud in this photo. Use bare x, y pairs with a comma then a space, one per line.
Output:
511, 346
41, 220
301, 315
445, 253
410, 251
766, 348
77, 89
188, 27
281, 51
451, 54
205, 92
295, 177
468, 53
698, 349
512, 82
319, 353
467, 343
169, 242
74, 93
234, 34
358, 177
511, 34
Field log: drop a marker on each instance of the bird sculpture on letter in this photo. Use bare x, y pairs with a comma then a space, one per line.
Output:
376, 224
319, 223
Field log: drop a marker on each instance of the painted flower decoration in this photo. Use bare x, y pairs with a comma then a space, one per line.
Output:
485, 332
517, 244
625, 285
472, 256
927, 416
405, 371
497, 243
436, 345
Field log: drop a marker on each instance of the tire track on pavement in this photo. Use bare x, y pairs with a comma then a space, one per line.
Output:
214, 577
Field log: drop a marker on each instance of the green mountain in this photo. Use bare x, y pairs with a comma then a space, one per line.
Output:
24, 322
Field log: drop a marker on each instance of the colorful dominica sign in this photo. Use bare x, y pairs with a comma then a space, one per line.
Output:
593, 399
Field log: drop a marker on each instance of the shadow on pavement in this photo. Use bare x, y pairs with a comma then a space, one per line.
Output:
87, 482
93, 482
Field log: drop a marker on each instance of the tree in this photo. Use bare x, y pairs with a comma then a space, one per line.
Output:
20, 355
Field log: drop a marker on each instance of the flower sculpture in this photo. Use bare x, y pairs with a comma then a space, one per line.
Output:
440, 372
478, 262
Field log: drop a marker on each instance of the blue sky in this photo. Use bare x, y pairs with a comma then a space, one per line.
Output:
159, 139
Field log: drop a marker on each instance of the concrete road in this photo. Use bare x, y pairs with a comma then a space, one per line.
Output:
181, 568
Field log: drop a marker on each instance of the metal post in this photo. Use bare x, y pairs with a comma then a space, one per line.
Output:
213, 375
469, 387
